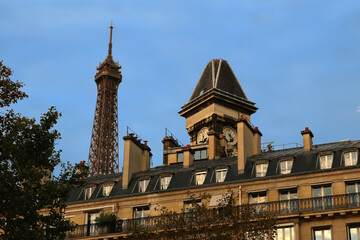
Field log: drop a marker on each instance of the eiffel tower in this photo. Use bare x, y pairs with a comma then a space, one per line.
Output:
104, 145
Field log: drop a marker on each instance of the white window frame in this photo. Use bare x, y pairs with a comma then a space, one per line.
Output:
164, 182
288, 166
143, 184
198, 180
322, 231
88, 192
357, 230
261, 169
326, 161
282, 236
222, 174
350, 158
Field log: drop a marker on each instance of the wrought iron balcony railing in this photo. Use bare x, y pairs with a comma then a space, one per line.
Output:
294, 206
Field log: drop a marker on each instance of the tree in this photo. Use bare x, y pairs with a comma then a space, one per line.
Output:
227, 221
32, 198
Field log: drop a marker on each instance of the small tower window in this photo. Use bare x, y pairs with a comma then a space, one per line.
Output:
180, 157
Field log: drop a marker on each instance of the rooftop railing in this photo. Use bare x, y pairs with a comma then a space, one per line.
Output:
278, 208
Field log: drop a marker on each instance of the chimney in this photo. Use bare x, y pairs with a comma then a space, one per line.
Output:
188, 156
136, 158
249, 142
307, 139
257, 141
213, 143
168, 143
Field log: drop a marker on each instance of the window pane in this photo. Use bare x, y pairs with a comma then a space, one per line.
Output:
351, 188
327, 191
180, 157
327, 234
197, 155
354, 233
317, 192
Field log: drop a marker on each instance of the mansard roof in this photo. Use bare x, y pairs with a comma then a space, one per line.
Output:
219, 75
183, 178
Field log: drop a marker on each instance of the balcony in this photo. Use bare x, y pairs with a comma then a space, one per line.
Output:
280, 208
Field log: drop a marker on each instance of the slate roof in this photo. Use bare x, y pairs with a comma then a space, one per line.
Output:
218, 74
183, 178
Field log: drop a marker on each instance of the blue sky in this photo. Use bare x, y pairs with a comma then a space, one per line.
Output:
299, 61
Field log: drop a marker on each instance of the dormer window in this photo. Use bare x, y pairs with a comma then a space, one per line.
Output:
106, 189
350, 158
220, 174
143, 185
326, 161
88, 192
200, 178
286, 166
261, 169
164, 182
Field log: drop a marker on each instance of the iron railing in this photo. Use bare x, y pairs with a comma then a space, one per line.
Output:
294, 206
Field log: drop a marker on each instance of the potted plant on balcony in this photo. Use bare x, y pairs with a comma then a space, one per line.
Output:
106, 222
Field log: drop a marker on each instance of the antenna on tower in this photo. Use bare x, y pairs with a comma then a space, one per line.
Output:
110, 42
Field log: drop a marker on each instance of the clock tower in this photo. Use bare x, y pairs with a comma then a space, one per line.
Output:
216, 105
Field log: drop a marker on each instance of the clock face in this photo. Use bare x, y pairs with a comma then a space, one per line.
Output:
202, 136
230, 135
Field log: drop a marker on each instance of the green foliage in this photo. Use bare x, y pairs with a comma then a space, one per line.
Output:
201, 222
32, 199
105, 219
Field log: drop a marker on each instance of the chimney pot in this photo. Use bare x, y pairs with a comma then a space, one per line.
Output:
306, 129
188, 145
145, 143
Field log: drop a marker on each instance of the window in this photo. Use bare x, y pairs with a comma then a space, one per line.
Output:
106, 189
353, 190
91, 229
285, 233
220, 175
322, 234
143, 185
180, 157
326, 161
261, 169
164, 182
200, 154
200, 178
289, 201
188, 205
141, 215
285, 166
322, 198
259, 199
350, 158
88, 192
354, 231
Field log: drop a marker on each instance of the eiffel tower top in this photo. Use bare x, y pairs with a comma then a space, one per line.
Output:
109, 66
